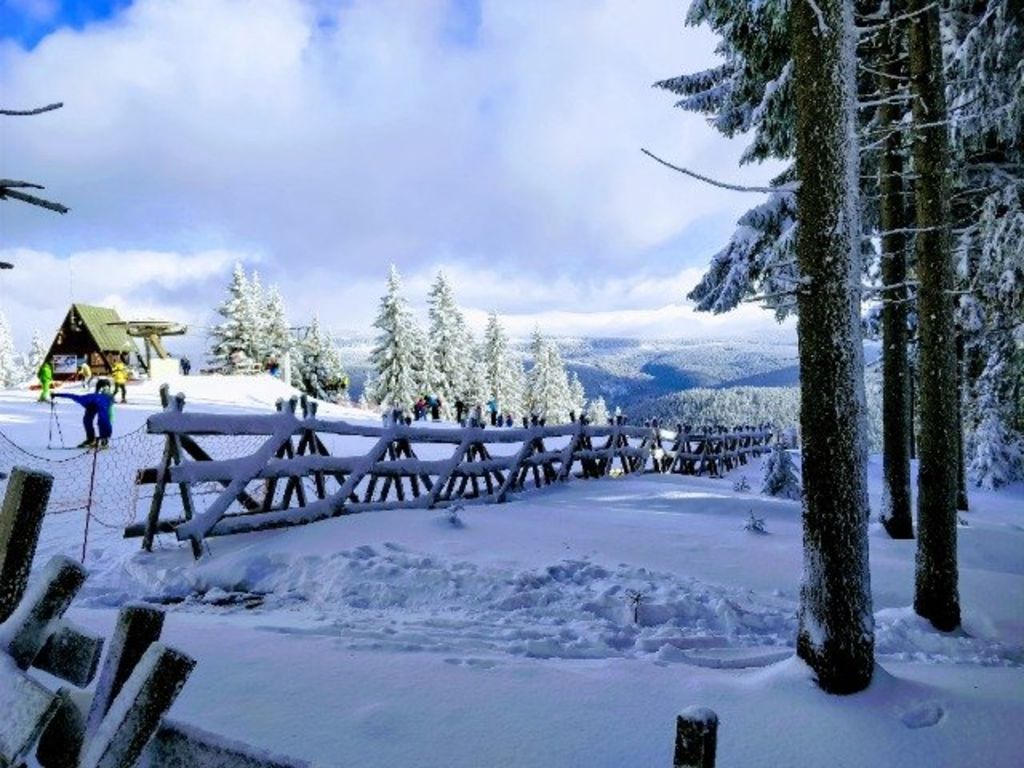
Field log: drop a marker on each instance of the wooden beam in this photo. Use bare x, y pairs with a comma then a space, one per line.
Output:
134, 714
26, 707
25, 632
138, 627
70, 653
21, 519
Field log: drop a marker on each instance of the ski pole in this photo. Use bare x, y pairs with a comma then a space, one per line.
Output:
60, 432
49, 437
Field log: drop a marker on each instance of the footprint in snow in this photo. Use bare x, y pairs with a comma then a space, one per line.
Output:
923, 714
471, 662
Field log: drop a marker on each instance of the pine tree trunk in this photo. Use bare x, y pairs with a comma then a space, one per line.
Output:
962, 503
935, 596
913, 412
896, 439
836, 634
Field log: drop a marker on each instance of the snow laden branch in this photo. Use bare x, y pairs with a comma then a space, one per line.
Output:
895, 20
714, 183
27, 112
822, 26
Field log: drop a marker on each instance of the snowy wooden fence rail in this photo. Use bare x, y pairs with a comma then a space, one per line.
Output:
121, 723
292, 478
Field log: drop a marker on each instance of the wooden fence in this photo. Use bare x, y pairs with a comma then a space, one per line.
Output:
293, 477
120, 723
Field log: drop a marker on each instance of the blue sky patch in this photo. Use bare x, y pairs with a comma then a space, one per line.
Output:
29, 21
462, 22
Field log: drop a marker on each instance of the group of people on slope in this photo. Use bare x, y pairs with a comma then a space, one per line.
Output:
98, 404
431, 405
119, 373
427, 404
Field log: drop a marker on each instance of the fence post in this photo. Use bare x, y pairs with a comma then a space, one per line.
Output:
696, 738
21, 518
29, 626
134, 714
138, 627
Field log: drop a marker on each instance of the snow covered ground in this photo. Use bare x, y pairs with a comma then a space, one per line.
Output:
565, 628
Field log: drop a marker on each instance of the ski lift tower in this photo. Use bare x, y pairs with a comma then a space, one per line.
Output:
152, 332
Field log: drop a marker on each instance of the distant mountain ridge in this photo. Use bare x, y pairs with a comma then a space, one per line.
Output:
634, 373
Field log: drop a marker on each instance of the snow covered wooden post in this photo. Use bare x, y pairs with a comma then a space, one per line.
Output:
171, 456
26, 707
134, 715
21, 517
138, 626
23, 635
696, 738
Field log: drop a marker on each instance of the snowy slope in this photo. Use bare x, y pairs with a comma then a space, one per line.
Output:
509, 638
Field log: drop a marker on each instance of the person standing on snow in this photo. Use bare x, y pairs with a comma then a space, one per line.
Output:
98, 407
85, 374
120, 375
45, 380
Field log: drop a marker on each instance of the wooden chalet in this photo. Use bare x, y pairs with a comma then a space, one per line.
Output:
95, 335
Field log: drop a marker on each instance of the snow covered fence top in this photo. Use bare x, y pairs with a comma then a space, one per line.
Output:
335, 467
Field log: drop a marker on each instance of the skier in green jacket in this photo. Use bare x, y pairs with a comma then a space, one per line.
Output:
45, 379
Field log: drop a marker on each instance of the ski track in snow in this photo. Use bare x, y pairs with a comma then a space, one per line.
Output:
389, 598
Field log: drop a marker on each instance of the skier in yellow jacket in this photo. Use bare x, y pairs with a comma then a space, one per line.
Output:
119, 373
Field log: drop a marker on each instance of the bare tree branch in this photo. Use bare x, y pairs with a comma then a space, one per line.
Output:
7, 192
722, 184
36, 111
13, 183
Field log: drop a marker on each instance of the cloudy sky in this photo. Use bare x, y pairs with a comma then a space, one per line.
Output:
318, 141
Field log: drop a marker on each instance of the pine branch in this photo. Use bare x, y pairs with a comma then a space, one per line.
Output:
774, 295
905, 231
722, 184
7, 192
13, 183
880, 73
822, 26
904, 99
26, 112
889, 22
871, 290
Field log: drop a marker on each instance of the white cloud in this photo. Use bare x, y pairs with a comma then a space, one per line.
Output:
329, 139
183, 287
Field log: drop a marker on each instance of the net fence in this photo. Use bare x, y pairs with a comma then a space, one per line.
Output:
106, 483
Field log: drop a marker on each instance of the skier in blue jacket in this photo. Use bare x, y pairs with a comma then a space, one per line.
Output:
98, 407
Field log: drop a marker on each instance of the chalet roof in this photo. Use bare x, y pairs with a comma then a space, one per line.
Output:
109, 338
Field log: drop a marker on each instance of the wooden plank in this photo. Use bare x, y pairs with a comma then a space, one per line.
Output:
25, 709
138, 627
70, 653
61, 740
181, 745
193, 449
156, 503
26, 630
21, 519
196, 528
134, 715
